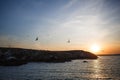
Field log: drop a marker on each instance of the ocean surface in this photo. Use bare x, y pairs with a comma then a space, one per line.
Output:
104, 68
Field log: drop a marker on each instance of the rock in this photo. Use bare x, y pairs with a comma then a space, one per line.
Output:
17, 56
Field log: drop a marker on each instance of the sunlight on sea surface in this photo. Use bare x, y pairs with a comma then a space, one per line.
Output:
104, 68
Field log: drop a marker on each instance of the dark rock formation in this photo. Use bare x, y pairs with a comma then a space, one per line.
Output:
17, 56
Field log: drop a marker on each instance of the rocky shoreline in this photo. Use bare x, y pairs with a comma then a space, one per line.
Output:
18, 56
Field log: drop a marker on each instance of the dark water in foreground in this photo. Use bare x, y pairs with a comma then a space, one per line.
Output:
104, 68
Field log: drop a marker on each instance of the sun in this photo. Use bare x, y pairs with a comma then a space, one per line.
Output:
95, 48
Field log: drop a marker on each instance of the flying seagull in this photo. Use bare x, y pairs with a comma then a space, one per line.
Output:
36, 39
68, 41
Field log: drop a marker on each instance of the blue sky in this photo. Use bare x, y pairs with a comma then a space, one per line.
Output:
84, 22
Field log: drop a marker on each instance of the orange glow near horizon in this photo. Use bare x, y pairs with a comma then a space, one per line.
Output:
95, 48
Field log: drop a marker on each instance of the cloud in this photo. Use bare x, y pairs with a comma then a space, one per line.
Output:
69, 4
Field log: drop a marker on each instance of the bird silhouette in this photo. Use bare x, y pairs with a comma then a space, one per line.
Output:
68, 41
36, 39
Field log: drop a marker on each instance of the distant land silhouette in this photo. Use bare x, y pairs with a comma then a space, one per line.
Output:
19, 56
115, 54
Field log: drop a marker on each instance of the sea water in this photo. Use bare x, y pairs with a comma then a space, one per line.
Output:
103, 68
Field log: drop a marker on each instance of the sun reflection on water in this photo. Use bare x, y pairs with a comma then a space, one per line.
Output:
97, 71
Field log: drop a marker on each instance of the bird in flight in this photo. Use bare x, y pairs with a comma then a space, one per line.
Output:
68, 41
36, 39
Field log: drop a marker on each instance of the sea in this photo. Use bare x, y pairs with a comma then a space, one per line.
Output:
103, 68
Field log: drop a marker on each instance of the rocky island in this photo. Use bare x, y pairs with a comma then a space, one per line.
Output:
19, 56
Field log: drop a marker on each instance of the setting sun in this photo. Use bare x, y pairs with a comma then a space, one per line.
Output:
95, 48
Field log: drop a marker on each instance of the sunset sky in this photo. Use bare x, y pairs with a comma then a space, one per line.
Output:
54, 22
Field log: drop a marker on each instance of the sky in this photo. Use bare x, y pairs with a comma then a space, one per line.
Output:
54, 22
